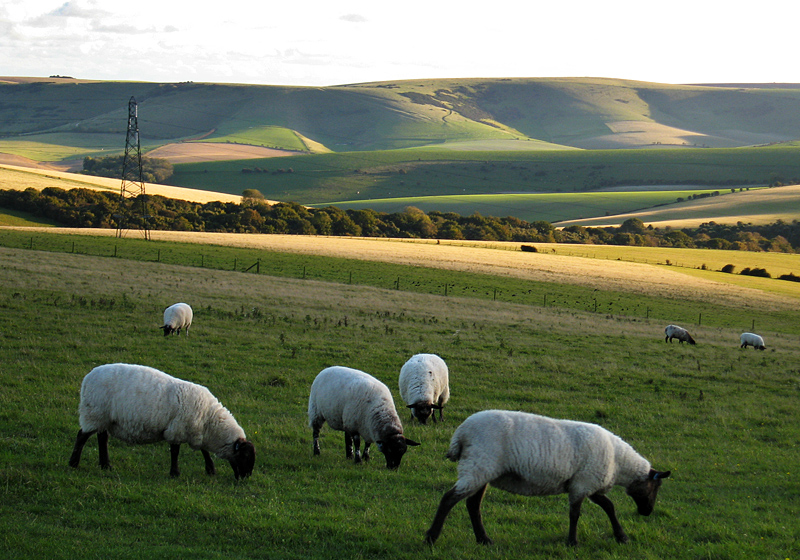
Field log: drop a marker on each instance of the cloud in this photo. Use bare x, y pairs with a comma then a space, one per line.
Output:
353, 18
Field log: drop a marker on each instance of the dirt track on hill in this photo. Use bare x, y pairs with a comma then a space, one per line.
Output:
195, 152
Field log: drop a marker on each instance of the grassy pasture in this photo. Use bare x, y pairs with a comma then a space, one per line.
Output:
723, 419
550, 207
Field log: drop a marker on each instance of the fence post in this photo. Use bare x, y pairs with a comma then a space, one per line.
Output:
158, 256
700, 319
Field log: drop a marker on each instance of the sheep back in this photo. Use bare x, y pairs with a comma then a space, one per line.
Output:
753, 340
139, 404
534, 455
424, 384
176, 317
353, 401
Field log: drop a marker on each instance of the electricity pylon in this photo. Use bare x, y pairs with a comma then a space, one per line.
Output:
134, 214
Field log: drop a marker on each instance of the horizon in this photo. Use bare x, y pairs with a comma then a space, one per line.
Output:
355, 42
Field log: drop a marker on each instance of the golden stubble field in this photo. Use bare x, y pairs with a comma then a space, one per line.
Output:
599, 269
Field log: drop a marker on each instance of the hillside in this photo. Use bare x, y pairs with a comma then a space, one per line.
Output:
72, 118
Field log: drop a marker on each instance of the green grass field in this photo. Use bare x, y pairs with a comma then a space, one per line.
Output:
724, 420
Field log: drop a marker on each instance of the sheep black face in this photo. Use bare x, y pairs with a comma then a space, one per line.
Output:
644, 492
244, 458
393, 448
421, 411
167, 330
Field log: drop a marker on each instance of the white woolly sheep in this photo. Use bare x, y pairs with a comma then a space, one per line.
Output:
753, 340
534, 455
139, 404
362, 407
424, 386
674, 331
176, 317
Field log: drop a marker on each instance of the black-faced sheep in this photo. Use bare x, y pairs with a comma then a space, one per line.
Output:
674, 331
753, 340
176, 317
362, 407
139, 404
537, 456
424, 385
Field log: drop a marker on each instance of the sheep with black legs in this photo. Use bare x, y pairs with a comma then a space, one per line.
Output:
674, 331
424, 386
176, 317
534, 455
139, 404
362, 407
751, 339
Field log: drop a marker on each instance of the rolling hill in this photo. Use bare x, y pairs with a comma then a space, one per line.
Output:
386, 145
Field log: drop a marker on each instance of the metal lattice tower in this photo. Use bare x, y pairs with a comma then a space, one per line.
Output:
135, 213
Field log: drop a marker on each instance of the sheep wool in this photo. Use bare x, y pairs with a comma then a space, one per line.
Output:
139, 404
751, 339
535, 455
362, 407
176, 317
674, 331
424, 385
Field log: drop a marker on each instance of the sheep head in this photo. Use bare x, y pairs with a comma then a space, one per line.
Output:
244, 458
393, 448
644, 492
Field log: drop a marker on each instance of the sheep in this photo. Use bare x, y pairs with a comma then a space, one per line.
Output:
674, 331
362, 407
139, 404
753, 340
424, 386
176, 317
535, 455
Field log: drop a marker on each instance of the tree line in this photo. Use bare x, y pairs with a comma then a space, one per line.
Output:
154, 170
90, 208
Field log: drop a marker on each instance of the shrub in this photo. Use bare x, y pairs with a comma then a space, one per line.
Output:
728, 268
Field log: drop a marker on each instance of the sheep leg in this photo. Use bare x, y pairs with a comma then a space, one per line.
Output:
474, 509
450, 499
315, 431
174, 450
574, 515
365, 455
102, 446
80, 441
348, 445
608, 507
357, 448
210, 468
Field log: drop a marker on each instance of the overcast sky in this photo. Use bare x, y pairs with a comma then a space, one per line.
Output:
330, 42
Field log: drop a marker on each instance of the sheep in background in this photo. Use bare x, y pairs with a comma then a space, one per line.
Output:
176, 317
424, 386
538, 456
674, 331
139, 404
753, 340
362, 407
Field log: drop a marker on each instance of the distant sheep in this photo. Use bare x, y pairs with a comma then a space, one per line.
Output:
674, 331
424, 386
538, 456
176, 317
362, 407
753, 340
139, 404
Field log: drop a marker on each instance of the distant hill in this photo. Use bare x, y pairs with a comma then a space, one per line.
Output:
480, 142
78, 117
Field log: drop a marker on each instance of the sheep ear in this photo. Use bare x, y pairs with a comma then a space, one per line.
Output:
410, 405
411, 442
437, 406
656, 475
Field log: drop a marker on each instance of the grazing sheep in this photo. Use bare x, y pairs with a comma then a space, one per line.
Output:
674, 331
139, 404
538, 456
424, 386
753, 340
362, 407
176, 317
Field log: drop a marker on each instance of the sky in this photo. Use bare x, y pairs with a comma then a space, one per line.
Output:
333, 42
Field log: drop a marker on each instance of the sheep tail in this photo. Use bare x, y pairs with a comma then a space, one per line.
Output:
454, 452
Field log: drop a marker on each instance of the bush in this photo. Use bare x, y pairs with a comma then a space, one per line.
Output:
728, 268
756, 272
